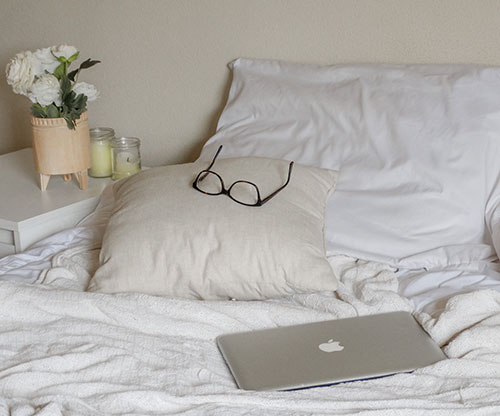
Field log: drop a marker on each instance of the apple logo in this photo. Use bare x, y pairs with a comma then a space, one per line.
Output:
331, 346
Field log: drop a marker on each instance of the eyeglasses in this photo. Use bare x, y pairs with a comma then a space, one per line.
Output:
242, 192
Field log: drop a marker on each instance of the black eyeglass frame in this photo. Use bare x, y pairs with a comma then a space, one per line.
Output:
203, 174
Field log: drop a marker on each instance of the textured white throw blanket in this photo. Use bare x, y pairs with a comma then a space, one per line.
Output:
65, 351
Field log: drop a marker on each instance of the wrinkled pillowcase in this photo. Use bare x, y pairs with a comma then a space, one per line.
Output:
166, 238
417, 147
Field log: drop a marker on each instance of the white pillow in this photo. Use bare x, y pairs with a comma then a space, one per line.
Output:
418, 150
166, 238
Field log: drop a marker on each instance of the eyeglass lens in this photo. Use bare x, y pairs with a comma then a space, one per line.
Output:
209, 183
244, 192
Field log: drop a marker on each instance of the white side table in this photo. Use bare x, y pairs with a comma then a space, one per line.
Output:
27, 214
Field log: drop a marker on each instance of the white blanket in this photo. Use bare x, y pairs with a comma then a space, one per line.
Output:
65, 351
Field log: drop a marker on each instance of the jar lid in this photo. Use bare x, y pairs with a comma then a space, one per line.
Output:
101, 133
125, 142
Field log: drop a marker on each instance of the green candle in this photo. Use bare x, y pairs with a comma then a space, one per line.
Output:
100, 152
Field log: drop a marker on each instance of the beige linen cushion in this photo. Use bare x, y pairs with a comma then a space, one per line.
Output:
166, 238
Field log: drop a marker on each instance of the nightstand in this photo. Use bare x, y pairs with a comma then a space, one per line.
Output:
27, 214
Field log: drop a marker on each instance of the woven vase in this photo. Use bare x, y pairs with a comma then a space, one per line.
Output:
58, 150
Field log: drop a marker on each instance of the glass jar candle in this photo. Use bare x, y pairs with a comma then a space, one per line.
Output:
126, 157
100, 151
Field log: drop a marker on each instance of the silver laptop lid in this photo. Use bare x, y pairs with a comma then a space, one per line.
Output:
328, 352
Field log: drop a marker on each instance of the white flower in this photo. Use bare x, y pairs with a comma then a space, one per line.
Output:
46, 90
21, 72
86, 89
64, 50
47, 60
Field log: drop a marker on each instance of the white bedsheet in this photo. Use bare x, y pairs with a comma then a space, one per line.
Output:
27, 266
66, 351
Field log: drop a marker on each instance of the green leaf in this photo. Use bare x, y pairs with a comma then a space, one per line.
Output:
72, 105
72, 74
80, 102
38, 111
52, 111
84, 65
65, 88
73, 57
88, 63
61, 59
69, 122
60, 71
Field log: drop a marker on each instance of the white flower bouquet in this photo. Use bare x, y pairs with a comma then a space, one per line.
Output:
43, 77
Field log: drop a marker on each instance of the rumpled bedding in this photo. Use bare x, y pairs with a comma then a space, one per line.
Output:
64, 351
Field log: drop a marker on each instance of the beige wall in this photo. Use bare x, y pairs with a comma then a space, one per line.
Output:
163, 76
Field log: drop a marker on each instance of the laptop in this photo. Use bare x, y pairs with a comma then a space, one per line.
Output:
328, 352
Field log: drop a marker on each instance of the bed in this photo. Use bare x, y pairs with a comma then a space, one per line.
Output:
66, 350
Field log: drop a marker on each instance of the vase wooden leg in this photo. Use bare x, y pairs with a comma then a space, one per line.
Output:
44, 181
83, 179
67, 178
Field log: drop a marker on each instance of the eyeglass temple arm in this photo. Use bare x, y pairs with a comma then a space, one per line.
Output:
267, 198
211, 164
